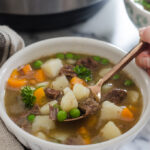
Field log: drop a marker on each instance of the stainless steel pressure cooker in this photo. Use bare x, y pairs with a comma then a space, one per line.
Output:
46, 14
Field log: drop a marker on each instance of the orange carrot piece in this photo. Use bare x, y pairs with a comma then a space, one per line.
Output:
127, 115
85, 135
14, 74
76, 80
16, 83
27, 69
39, 93
39, 75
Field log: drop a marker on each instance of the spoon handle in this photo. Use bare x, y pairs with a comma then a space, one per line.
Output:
123, 62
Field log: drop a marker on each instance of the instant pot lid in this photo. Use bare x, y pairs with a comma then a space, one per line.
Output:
41, 7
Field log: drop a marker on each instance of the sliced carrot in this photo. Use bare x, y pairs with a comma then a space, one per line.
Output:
27, 69
14, 74
39, 94
16, 83
39, 75
127, 115
85, 135
76, 80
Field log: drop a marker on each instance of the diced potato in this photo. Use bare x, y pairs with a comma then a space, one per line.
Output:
60, 135
42, 123
80, 91
104, 71
43, 84
41, 135
110, 111
45, 109
110, 130
60, 83
106, 87
68, 101
71, 61
66, 90
52, 67
133, 96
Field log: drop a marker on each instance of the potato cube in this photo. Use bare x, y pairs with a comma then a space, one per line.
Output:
69, 101
80, 91
66, 90
42, 123
41, 135
110, 111
60, 135
110, 130
133, 96
60, 83
52, 67
45, 109
106, 87
104, 71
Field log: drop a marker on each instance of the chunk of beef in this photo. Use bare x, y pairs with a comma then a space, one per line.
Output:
116, 96
22, 121
74, 140
89, 106
53, 112
88, 62
51, 93
67, 70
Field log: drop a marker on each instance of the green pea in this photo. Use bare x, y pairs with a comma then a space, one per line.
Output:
128, 82
77, 57
75, 112
69, 56
60, 56
116, 77
104, 61
97, 58
61, 115
31, 118
37, 64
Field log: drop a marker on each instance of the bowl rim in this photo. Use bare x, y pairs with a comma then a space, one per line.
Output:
139, 8
134, 130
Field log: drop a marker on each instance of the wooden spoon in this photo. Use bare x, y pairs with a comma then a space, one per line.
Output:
96, 89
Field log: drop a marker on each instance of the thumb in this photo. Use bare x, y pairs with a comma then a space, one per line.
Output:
145, 34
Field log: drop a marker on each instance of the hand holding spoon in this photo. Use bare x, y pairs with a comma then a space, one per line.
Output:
96, 89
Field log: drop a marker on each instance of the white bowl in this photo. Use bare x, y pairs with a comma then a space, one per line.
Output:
78, 45
139, 16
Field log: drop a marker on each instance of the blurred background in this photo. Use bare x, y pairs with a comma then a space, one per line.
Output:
100, 19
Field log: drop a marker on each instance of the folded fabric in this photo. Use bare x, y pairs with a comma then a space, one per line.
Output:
10, 42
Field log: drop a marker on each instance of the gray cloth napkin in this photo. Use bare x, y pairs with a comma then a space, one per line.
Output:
10, 42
